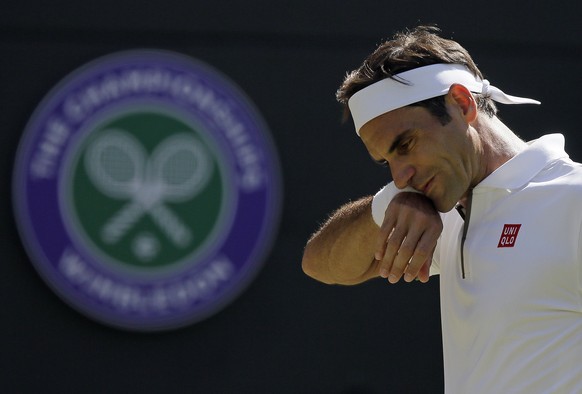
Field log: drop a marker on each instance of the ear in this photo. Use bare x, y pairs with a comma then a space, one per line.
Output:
462, 97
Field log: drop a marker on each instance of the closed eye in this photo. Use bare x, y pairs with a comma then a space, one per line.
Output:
404, 147
381, 162
402, 142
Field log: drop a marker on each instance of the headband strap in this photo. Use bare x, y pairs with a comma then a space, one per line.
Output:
420, 84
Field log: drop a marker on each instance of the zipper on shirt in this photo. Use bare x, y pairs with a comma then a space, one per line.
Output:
466, 215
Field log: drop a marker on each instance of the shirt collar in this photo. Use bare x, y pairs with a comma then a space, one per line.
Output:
521, 168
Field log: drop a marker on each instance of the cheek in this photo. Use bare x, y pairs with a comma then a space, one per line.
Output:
453, 159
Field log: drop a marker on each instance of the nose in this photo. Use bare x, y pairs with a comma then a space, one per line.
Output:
402, 173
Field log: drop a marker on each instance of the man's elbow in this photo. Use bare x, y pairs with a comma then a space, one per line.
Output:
312, 266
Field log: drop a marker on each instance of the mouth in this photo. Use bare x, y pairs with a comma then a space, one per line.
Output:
426, 187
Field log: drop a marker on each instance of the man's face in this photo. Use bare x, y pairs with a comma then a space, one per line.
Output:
439, 161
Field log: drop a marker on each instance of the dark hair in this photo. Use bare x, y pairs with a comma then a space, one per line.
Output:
407, 50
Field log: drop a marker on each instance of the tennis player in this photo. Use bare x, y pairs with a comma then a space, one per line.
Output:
498, 219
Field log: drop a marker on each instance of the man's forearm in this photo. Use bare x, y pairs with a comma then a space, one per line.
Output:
351, 247
342, 250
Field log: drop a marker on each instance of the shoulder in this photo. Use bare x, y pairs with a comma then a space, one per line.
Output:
561, 172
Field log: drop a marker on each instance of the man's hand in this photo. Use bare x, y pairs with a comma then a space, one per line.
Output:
408, 237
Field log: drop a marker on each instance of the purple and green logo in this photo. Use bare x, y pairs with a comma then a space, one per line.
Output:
147, 190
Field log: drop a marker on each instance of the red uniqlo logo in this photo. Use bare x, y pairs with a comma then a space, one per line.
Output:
508, 236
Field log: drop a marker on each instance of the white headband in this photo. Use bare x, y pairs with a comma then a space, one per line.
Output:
420, 84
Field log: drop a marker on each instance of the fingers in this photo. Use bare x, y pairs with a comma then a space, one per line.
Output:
424, 272
410, 255
384, 235
419, 265
392, 250
406, 243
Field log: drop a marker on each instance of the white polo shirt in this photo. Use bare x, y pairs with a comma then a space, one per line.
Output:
513, 324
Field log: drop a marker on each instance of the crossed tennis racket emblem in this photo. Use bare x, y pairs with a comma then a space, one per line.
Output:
175, 171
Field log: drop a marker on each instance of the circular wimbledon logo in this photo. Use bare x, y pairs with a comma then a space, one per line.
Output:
147, 190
